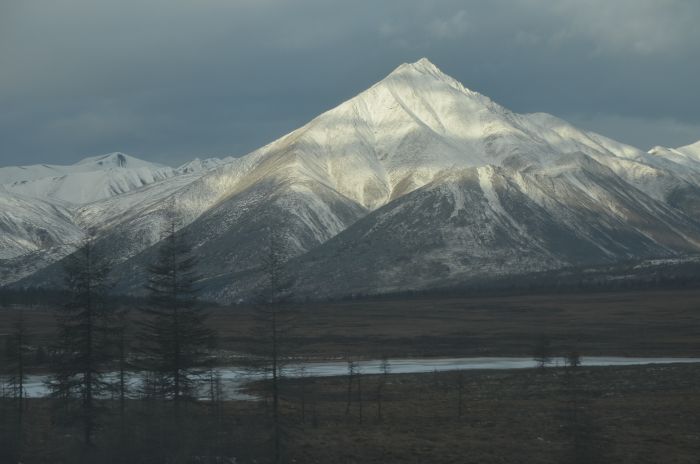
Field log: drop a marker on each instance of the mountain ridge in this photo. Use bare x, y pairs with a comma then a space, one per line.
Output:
382, 193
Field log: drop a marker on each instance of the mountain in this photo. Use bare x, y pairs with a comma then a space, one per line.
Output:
417, 182
91, 179
46, 209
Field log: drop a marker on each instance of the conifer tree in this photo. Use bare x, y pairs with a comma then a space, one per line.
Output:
83, 345
173, 337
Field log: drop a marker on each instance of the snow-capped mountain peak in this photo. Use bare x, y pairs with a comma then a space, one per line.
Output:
423, 65
423, 75
116, 160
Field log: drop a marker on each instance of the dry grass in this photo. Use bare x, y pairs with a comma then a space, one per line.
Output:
626, 415
635, 415
653, 323
636, 323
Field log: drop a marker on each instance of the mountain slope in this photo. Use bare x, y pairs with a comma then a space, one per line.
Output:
487, 222
30, 225
685, 161
32, 233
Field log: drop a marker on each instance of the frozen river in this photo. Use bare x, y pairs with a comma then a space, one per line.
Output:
234, 377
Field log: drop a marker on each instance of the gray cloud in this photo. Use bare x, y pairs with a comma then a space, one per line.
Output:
643, 27
450, 28
170, 80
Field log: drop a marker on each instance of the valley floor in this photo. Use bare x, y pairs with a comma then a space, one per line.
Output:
638, 323
639, 414
597, 415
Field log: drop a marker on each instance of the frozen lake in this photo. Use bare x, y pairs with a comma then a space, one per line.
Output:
234, 377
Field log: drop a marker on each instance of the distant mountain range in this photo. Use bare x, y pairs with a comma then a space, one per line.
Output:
416, 183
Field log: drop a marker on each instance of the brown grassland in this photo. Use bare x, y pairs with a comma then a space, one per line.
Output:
643, 414
640, 414
639, 323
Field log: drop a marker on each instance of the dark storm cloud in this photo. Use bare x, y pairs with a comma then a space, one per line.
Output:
170, 80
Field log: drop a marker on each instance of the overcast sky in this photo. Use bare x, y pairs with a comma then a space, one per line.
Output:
171, 80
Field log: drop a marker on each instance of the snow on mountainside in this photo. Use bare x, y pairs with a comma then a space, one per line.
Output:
115, 160
96, 192
684, 193
413, 183
202, 165
490, 221
32, 233
88, 180
692, 150
688, 156
28, 224
418, 122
